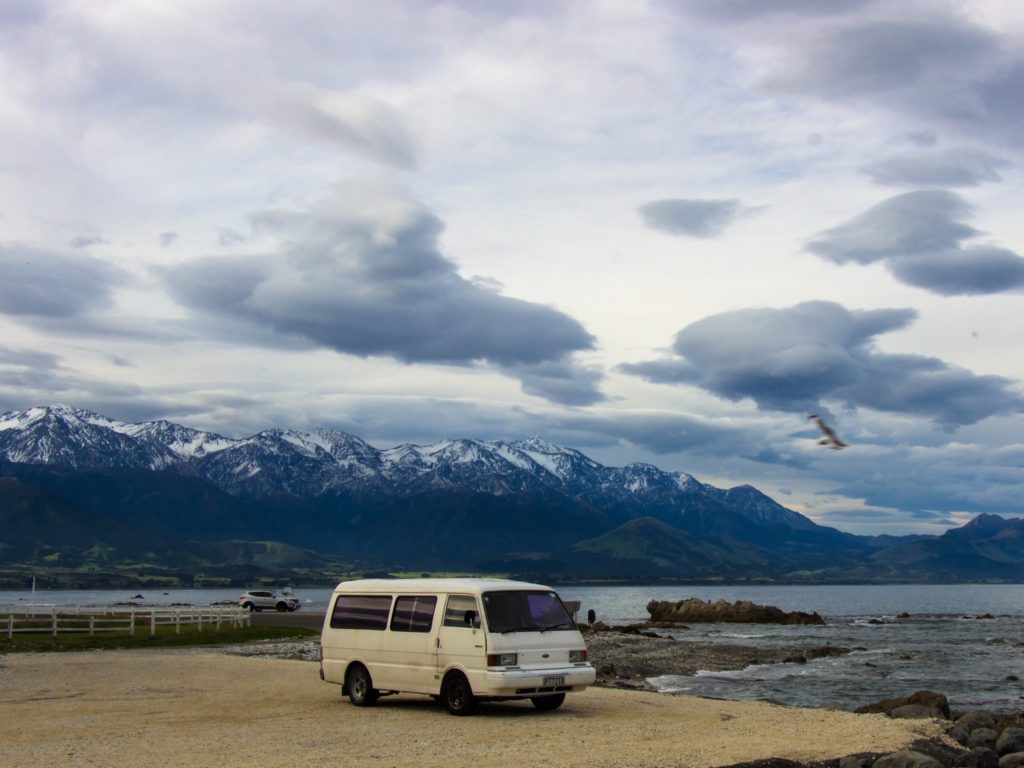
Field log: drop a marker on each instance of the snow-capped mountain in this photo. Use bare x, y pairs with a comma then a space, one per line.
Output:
312, 464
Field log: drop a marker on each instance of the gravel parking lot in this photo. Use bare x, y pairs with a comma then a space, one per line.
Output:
195, 707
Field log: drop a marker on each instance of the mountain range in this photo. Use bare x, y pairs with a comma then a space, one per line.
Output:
85, 494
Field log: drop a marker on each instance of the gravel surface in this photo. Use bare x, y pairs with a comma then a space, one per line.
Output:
203, 708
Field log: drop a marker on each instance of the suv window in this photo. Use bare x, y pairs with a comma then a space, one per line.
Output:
413, 614
455, 611
361, 612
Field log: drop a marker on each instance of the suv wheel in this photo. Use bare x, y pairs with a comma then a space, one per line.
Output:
360, 687
547, 703
248, 606
457, 696
282, 607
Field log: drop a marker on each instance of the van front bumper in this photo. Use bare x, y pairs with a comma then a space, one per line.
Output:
533, 682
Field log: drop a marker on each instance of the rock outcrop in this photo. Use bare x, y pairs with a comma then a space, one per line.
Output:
695, 610
921, 704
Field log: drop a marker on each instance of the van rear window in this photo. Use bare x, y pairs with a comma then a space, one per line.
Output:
361, 612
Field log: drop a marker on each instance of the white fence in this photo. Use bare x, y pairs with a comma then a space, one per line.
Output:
55, 619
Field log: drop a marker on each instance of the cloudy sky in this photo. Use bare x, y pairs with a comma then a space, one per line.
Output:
661, 231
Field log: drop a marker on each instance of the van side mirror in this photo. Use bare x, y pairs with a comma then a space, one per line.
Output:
470, 618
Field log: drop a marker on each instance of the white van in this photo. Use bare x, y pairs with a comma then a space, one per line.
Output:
458, 640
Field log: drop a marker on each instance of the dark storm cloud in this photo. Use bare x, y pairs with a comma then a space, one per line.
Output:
376, 283
952, 168
43, 284
920, 236
792, 359
693, 218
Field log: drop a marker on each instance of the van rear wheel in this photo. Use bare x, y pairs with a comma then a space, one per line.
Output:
360, 687
547, 703
457, 696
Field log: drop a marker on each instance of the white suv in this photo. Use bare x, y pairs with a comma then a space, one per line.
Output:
257, 600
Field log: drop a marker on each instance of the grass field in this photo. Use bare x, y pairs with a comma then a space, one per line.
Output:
165, 637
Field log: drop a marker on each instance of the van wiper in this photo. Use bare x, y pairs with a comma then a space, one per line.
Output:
534, 628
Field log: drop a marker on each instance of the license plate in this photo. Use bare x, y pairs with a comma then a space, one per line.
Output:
553, 680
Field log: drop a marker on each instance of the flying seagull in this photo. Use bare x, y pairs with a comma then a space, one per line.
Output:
831, 439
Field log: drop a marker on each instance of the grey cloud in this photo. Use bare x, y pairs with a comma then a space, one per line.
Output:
792, 359
349, 120
167, 239
866, 57
375, 283
229, 237
693, 218
920, 236
968, 271
43, 284
560, 382
666, 433
84, 241
952, 168
747, 10
912, 223
922, 138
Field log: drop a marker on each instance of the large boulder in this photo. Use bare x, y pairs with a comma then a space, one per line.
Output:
976, 758
1012, 760
935, 702
907, 758
983, 737
695, 610
976, 718
1010, 740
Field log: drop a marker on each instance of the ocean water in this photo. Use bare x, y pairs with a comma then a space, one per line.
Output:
942, 646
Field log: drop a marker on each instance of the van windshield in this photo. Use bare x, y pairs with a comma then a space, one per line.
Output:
525, 611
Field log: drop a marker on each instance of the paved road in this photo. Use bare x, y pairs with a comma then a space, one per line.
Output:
301, 618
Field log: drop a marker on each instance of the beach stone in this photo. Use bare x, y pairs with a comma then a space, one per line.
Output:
915, 712
959, 734
977, 718
855, 761
977, 758
924, 698
1010, 740
983, 737
907, 758
1012, 760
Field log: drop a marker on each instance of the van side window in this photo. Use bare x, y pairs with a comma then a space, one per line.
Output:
361, 612
413, 614
455, 612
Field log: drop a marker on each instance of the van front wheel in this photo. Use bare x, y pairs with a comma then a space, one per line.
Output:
546, 703
457, 696
360, 687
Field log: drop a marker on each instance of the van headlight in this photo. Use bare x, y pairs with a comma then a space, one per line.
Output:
577, 656
502, 659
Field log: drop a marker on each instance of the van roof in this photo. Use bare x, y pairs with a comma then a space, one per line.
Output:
474, 586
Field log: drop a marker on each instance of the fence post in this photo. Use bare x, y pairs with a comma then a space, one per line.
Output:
10, 627
152, 621
199, 617
92, 625
54, 615
177, 623
131, 628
